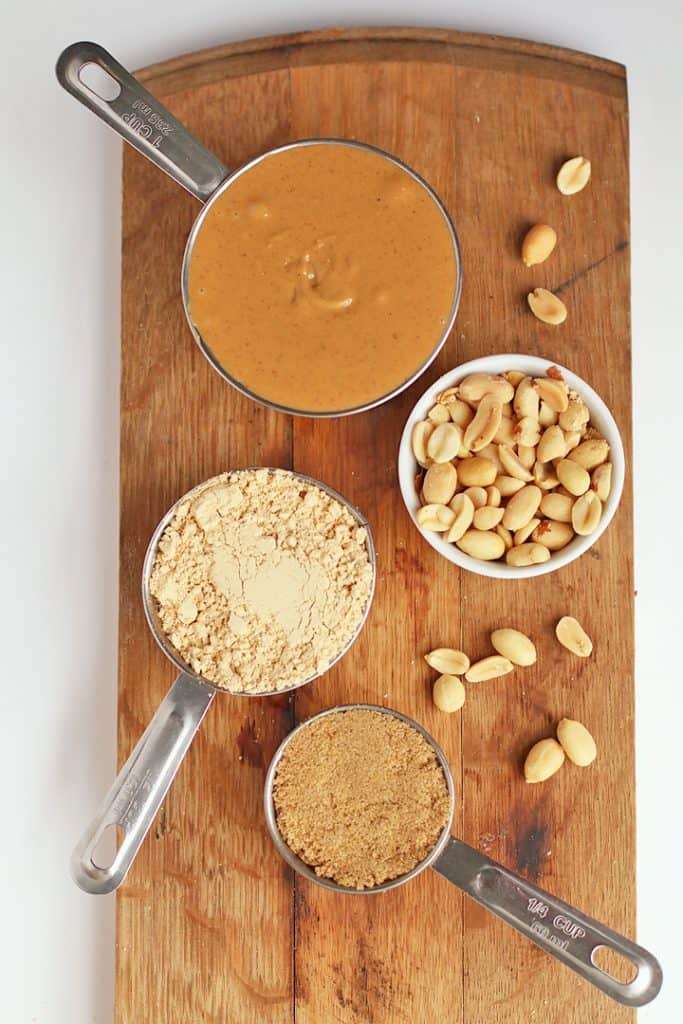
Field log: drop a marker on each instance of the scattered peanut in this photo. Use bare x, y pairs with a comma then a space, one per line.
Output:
577, 742
448, 693
573, 175
572, 636
448, 661
488, 668
547, 307
539, 242
515, 646
510, 467
544, 759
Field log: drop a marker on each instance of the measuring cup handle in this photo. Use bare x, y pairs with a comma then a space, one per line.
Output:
141, 785
555, 926
142, 121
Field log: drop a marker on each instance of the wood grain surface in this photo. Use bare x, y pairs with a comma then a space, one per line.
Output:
212, 928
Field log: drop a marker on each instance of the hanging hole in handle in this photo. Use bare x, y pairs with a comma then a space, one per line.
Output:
615, 964
107, 846
100, 82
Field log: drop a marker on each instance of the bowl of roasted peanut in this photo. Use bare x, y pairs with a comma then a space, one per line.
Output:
511, 466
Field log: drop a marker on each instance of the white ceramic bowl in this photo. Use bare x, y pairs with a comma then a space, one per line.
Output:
601, 419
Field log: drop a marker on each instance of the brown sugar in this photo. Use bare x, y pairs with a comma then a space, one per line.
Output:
361, 797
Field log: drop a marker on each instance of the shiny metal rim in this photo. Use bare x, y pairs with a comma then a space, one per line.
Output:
303, 868
275, 405
148, 603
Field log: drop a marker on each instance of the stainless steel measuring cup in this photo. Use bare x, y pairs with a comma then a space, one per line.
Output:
140, 119
141, 785
558, 928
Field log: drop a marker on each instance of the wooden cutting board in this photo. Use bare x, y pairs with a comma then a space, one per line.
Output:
212, 927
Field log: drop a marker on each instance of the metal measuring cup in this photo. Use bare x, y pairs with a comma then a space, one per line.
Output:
141, 785
140, 119
558, 928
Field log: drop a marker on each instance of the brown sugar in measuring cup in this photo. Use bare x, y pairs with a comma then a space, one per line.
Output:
556, 927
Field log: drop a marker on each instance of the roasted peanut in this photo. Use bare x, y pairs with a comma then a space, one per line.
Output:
484, 426
435, 517
547, 417
512, 465
463, 508
552, 445
573, 175
557, 507
444, 442
492, 496
601, 480
522, 507
487, 517
577, 742
448, 660
553, 534
522, 535
526, 400
571, 439
545, 476
490, 452
508, 485
573, 476
476, 472
514, 376
448, 396
474, 387
448, 693
527, 554
576, 415
591, 453
505, 535
527, 432
526, 455
539, 242
460, 413
572, 635
547, 307
439, 414
488, 668
479, 544
440, 482
477, 496
586, 513
553, 392
505, 434
419, 437
515, 646
544, 759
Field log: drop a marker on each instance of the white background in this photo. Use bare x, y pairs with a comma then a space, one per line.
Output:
60, 277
